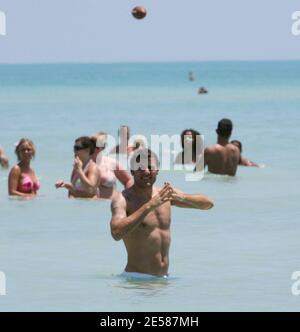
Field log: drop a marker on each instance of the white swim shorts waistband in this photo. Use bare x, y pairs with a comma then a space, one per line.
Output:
138, 275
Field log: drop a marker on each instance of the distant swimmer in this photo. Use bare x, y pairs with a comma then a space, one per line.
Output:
85, 178
3, 159
202, 91
122, 147
223, 157
243, 161
22, 180
110, 169
141, 217
192, 76
189, 140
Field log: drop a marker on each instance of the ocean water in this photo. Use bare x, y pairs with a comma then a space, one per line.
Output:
58, 255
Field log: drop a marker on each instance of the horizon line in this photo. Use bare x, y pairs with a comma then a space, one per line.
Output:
144, 62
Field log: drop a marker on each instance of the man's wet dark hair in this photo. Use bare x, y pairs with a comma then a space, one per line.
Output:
224, 128
86, 143
238, 143
142, 156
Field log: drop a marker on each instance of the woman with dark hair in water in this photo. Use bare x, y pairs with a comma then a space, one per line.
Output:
85, 178
243, 161
190, 138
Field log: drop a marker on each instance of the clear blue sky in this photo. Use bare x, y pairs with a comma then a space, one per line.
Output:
174, 30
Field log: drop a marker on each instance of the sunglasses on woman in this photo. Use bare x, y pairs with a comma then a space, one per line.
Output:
78, 148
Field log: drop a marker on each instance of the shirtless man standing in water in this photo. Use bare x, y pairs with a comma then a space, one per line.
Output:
223, 157
141, 217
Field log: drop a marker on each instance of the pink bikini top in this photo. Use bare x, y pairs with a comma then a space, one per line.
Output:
28, 186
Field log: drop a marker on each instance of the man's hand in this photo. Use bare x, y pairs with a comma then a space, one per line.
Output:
177, 196
167, 193
163, 196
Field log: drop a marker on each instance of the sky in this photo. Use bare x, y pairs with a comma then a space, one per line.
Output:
104, 31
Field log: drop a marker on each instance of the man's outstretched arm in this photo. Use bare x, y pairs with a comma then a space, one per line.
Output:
192, 201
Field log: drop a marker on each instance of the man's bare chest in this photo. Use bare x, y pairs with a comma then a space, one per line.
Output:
158, 218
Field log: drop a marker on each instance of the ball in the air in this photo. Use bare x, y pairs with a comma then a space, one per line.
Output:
139, 12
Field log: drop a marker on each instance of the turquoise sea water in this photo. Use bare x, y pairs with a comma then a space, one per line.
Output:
57, 254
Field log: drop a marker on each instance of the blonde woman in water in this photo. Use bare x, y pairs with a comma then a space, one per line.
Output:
22, 180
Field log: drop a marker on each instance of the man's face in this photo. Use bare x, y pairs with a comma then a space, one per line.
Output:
146, 173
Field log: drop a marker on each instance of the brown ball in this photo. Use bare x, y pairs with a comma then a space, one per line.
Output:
139, 12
